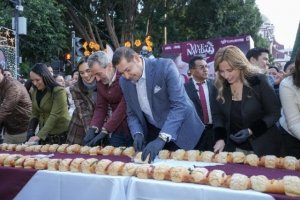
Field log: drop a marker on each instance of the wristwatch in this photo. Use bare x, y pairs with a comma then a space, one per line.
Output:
165, 137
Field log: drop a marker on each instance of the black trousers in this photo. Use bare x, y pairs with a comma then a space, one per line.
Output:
291, 145
206, 141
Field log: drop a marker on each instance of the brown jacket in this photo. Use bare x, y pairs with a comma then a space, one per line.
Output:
15, 106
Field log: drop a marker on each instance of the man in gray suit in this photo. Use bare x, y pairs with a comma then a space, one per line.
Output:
159, 111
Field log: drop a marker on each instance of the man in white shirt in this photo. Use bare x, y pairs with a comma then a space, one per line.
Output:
159, 111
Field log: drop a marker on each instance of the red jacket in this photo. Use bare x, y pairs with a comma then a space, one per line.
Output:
110, 96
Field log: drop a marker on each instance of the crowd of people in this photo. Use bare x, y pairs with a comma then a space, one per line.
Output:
125, 99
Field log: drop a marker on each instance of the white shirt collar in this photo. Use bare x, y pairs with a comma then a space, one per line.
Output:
143, 77
113, 79
195, 82
144, 69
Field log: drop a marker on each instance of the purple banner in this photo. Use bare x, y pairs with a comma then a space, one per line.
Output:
182, 52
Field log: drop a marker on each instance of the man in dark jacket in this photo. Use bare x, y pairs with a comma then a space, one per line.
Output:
15, 109
109, 118
199, 89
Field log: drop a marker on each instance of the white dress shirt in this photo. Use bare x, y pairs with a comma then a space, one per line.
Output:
141, 89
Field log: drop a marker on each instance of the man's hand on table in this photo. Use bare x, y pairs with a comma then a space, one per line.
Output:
138, 142
96, 140
152, 149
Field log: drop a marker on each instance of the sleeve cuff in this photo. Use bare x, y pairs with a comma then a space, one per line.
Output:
167, 136
220, 133
258, 128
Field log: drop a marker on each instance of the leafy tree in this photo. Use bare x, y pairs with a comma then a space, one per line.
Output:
103, 21
115, 22
213, 19
46, 37
200, 19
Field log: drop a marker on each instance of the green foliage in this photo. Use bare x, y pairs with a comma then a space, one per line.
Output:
202, 19
46, 37
213, 19
49, 38
47, 31
24, 69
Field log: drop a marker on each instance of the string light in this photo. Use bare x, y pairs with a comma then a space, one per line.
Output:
138, 44
8, 49
7, 36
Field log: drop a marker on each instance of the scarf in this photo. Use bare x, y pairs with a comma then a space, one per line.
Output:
92, 89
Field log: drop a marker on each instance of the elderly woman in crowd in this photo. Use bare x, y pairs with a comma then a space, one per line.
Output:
61, 81
84, 93
245, 107
290, 120
49, 108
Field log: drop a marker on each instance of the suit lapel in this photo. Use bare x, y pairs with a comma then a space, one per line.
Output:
134, 101
45, 98
149, 81
194, 92
34, 103
132, 92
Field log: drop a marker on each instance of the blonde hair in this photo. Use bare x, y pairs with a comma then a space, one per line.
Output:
238, 61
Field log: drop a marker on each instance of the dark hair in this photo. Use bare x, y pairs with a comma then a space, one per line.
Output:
274, 67
42, 70
296, 72
256, 52
81, 86
193, 60
286, 65
1, 69
28, 84
122, 52
74, 71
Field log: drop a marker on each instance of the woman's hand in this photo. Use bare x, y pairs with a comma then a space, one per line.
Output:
219, 146
34, 139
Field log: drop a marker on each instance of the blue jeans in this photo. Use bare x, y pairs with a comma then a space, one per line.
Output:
120, 139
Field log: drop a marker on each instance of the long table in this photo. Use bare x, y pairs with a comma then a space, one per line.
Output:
46, 184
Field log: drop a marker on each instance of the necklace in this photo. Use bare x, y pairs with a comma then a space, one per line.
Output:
236, 93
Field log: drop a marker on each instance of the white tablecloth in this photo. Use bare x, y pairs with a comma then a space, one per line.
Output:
141, 189
49, 185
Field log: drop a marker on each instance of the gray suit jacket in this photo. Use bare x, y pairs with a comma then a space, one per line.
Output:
171, 107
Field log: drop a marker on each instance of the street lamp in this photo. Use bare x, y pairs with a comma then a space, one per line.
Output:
18, 8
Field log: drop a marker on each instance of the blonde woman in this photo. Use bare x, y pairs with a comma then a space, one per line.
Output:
245, 108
